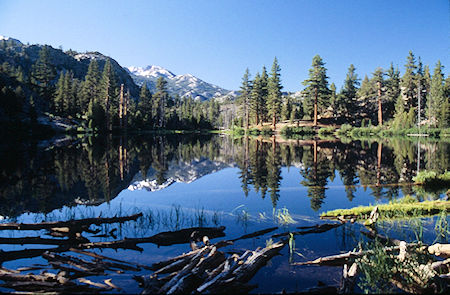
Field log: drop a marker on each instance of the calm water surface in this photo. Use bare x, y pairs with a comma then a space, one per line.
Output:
243, 184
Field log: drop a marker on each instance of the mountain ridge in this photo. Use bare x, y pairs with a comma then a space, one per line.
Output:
186, 85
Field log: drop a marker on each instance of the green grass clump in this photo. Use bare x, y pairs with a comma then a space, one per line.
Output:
304, 130
406, 207
345, 129
326, 131
266, 131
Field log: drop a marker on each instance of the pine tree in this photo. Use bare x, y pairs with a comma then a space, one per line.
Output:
274, 93
90, 88
347, 101
145, 107
109, 92
59, 95
160, 99
286, 110
378, 80
69, 99
334, 101
409, 83
246, 88
392, 92
436, 99
264, 95
43, 72
256, 98
316, 91
367, 96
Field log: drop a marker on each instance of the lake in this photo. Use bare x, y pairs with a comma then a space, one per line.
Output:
245, 184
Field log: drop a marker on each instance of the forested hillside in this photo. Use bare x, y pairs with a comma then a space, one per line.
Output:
89, 91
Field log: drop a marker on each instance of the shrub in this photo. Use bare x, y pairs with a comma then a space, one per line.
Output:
267, 131
345, 129
326, 131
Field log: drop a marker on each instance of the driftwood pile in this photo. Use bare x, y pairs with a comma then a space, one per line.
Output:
208, 270
67, 272
70, 263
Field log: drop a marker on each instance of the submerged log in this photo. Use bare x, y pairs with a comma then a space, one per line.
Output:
341, 259
33, 240
320, 228
348, 278
27, 253
118, 263
161, 239
256, 234
67, 225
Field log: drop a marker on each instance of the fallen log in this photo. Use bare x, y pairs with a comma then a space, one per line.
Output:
223, 272
320, 228
194, 278
27, 253
161, 264
349, 277
441, 250
33, 240
235, 275
442, 266
186, 270
67, 224
161, 239
259, 258
91, 283
118, 263
341, 259
255, 234
83, 265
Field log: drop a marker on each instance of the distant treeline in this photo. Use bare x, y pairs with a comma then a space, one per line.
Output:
386, 98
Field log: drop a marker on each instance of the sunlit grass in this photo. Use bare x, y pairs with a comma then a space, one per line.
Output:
403, 208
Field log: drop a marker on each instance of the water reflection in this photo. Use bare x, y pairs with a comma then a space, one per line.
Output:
95, 170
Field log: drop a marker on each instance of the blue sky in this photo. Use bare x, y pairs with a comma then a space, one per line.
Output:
216, 40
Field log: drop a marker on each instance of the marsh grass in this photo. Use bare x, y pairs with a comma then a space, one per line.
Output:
406, 207
379, 268
283, 217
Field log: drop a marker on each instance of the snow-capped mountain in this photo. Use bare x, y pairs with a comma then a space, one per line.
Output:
182, 85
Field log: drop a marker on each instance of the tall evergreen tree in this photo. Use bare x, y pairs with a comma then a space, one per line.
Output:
160, 102
367, 96
265, 94
256, 97
109, 92
43, 72
378, 79
316, 91
409, 83
144, 107
59, 95
90, 88
334, 101
286, 110
436, 98
246, 88
274, 93
347, 101
392, 92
